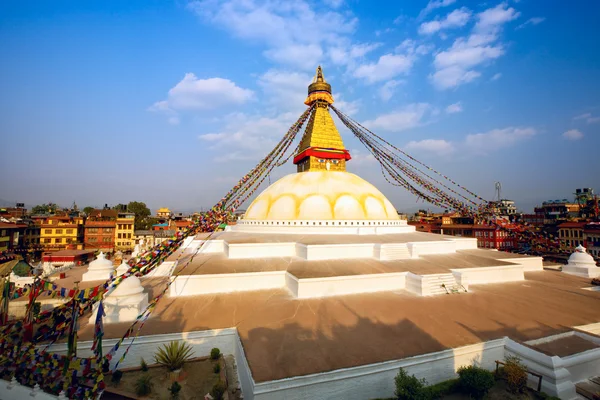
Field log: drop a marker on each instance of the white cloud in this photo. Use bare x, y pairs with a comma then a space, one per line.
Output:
498, 138
388, 89
409, 117
193, 94
496, 76
455, 19
284, 89
361, 157
434, 4
573, 134
455, 65
334, 3
347, 107
387, 67
532, 21
436, 146
304, 56
291, 31
587, 117
249, 136
344, 55
454, 108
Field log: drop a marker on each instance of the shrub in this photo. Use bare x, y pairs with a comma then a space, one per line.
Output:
218, 390
408, 387
515, 374
174, 389
215, 354
143, 365
217, 368
441, 389
143, 386
173, 355
37, 307
116, 377
475, 381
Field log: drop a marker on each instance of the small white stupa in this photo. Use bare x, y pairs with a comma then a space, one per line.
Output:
121, 269
125, 303
582, 264
99, 270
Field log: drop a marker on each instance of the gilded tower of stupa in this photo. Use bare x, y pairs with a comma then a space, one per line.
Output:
321, 147
321, 189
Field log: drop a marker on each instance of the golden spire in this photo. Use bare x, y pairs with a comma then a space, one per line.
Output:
319, 89
321, 147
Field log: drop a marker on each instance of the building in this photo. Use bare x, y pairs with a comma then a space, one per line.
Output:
180, 225
571, 235
59, 231
124, 232
13, 212
69, 256
556, 211
152, 237
163, 213
492, 237
505, 208
163, 226
11, 236
591, 233
100, 230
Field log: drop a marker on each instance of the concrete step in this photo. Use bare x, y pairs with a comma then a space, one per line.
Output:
589, 389
398, 251
444, 284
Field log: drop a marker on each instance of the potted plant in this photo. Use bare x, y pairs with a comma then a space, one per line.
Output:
173, 356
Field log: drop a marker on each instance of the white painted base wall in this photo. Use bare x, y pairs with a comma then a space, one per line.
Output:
362, 382
585, 272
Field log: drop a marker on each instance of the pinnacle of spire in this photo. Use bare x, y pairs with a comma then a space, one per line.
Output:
319, 89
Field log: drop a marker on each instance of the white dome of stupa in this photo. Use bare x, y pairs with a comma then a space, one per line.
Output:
321, 195
130, 286
100, 263
581, 257
121, 269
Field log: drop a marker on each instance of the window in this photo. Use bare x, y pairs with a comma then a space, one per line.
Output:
69, 240
118, 236
129, 236
47, 240
58, 240
69, 231
93, 230
46, 231
93, 239
59, 231
107, 239
107, 230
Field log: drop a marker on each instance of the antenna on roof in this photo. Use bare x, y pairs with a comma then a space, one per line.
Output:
498, 187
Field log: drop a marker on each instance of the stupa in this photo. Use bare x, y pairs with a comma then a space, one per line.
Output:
582, 264
125, 303
321, 197
323, 231
99, 269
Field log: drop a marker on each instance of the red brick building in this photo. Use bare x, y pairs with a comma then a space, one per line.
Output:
99, 230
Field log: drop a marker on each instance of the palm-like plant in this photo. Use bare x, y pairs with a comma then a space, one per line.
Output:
173, 355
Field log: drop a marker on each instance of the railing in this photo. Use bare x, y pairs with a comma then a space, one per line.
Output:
539, 386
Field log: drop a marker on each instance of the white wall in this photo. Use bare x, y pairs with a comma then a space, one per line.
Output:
190, 285
13, 391
529, 263
475, 276
339, 251
261, 250
377, 380
341, 285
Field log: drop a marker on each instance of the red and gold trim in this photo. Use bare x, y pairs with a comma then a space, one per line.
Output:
319, 152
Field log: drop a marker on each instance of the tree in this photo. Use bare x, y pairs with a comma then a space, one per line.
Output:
87, 210
49, 208
141, 213
120, 207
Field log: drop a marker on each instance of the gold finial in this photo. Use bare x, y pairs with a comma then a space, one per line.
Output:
319, 89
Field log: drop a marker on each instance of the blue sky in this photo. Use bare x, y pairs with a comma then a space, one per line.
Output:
170, 102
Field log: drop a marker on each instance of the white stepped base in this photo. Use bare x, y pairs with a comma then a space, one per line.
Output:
324, 227
586, 272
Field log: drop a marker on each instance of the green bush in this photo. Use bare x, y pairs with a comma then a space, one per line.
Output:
218, 390
21, 269
143, 386
515, 374
116, 377
217, 368
215, 354
441, 389
408, 387
475, 381
173, 355
174, 389
143, 365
